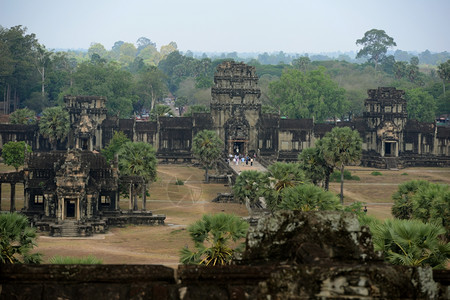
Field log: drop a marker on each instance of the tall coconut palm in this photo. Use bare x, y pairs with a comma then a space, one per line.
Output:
54, 124
212, 236
207, 148
17, 239
411, 243
138, 159
340, 147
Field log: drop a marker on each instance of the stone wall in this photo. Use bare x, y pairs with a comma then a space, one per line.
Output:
291, 255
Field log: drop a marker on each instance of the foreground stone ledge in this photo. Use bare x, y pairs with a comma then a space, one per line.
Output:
87, 282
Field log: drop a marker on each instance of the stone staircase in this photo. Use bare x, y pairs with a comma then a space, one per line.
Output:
69, 228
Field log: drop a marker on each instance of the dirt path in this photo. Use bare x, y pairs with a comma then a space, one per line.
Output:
184, 204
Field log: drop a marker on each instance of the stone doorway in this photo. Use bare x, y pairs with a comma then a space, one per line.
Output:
70, 209
390, 149
237, 147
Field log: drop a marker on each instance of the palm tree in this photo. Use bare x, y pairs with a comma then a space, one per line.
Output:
54, 124
286, 175
118, 140
411, 243
340, 147
402, 208
254, 189
138, 159
212, 235
23, 116
17, 239
316, 169
307, 197
207, 148
160, 111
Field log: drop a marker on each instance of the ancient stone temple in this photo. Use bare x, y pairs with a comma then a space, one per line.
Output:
390, 140
235, 106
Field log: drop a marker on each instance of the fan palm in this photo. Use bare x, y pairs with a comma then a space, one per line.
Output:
340, 147
17, 239
411, 243
54, 124
212, 236
308, 197
207, 148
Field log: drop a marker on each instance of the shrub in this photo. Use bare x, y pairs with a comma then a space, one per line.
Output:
376, 173
17, 239
212, 235
69, 260
336, 176
179, 182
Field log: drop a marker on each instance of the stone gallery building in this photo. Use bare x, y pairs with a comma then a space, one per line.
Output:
390, 140
76, 182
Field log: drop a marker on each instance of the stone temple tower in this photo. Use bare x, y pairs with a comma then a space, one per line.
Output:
235, 106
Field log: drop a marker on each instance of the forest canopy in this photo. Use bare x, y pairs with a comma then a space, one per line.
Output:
135, 77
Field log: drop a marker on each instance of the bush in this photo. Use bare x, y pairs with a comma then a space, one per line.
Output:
336, 176
179, 182
17, 239
376, 173
69, 260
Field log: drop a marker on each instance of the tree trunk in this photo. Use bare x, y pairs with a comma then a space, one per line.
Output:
206, 175
342, 185
144, 198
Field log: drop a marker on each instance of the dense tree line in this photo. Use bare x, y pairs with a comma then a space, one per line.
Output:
136, 77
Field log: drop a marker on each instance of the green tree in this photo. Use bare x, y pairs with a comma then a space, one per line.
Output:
13, 153
180, 103
444, 73
308, 95
340, 147
118, 140
160, 110
192, 109
23, 116
421, 105
17, 239
251, 187
207, 147
98, 78
138, 159
302, 63
402, 207
150, 86
54, 124
316, 168
212, 236
307, 197
411, 243
375, 44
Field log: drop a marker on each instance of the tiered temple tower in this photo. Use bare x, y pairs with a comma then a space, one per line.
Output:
386, 118
235, 106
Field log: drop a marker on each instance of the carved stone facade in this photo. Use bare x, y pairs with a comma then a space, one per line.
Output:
389, 139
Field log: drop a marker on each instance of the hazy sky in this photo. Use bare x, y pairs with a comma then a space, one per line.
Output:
233, 25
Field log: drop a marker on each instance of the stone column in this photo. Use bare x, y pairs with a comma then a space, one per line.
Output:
13, 198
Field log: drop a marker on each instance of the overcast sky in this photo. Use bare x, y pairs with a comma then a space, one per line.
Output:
296, 26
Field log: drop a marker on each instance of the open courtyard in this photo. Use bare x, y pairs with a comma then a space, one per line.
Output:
184, 204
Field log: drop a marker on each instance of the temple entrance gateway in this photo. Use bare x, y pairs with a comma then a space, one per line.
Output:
70, 208
237, 147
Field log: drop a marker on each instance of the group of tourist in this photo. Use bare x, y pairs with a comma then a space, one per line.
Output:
237, 158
